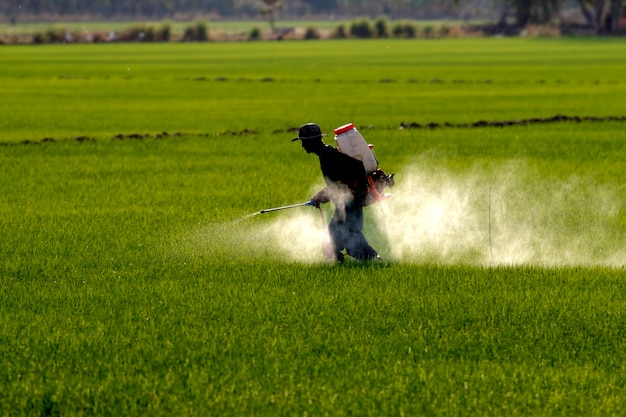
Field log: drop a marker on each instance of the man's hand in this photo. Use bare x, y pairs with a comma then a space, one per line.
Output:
316, 201
320, 198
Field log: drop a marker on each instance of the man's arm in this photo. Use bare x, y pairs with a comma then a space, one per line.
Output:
321, 197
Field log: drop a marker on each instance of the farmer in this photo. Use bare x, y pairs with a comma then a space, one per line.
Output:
346, 187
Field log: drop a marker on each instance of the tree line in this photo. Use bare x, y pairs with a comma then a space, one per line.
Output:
603, 16
225, 8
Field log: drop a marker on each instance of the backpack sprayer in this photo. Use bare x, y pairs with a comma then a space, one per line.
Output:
350, 142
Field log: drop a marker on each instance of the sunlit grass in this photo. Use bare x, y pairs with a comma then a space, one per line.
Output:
105, 90
137, 276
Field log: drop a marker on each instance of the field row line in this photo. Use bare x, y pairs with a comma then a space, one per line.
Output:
558, 118
220, 79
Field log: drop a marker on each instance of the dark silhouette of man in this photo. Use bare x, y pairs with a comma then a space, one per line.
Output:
346, 187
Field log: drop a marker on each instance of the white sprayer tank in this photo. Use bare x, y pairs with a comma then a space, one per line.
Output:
350, 142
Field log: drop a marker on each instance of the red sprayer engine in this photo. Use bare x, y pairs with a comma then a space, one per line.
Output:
350, 142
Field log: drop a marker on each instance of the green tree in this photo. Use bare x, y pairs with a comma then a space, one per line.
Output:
604, 15
10, 8
269, 9
525, 12
530, 11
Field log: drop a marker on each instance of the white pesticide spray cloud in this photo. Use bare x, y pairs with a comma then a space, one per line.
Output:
299, 235
505, 214
434, 216
490, 214
293, 235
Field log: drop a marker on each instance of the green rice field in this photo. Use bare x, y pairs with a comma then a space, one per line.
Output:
137, 276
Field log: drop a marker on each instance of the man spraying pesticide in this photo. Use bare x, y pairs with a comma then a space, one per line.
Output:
353, 181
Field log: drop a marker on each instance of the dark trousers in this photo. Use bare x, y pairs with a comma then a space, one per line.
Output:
345, 232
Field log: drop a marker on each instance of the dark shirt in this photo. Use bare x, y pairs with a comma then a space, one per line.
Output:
346, 184
337, 167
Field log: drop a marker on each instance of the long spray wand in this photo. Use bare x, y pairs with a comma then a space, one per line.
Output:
308, 203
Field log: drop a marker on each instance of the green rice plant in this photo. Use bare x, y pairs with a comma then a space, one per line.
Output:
132, 277
137, 276
105, 90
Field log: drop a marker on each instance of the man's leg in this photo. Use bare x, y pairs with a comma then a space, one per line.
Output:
358, 248
333, 246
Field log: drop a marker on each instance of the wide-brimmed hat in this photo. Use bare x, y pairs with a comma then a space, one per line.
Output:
309, 131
